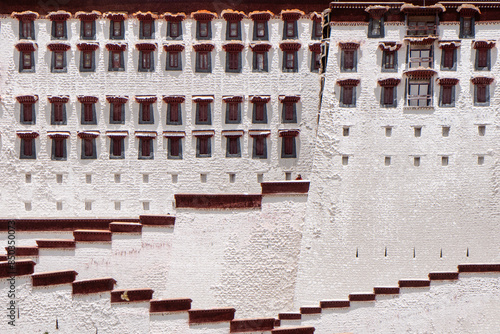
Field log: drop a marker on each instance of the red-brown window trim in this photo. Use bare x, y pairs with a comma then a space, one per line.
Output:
262, 16
203, 15
58, 99
205, 47
260, 47
260, 99
118, 133
27, 98
58, 47
389, 82
116, 16
376, 11
26, 47
88, 16
348, 45
60, 15
27, 134
146, 99
25, 16
145, 16
58, 134
174, 99
232, 16
291, 15
420, 40
483, 44
87, 99
449, 44
420, 74
174, 134
482, 81
314, 16
348, 82
390, 46
88, 134
316, 47
232, 99
289, 133
148, 47
179, 17
448, 81
468, 10
233, 47
173, 47
87, 46
289, 99
290, 46
116, 47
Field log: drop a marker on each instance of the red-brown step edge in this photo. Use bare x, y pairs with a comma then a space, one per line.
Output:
3, 257
92, 235
170, 305
334, 303
361, 297
285, 187
135, 295
289, 316
56, 243
23, 250
157, 220
60, 224
310, 310
211, 315
478, 268
19, 268
251, 325
417, 283
93, 285
294, 330
222, 201
277, 322
53, 277
443, 276
123, 227
383, 290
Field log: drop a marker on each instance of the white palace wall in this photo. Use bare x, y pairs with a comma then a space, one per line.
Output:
43, 192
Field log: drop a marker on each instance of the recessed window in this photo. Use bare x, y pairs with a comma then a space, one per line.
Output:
388, 131
146, 148
416, 161
419, 93
146, 61
145, 178
59, 148
288, 147
203, 146
387, 161
203, 113
203, 30
58, 116
420, 56
317, 30
444, 161
233, 147
146, 113
175, 178
118, 178
233, 113
59, 178
89, 148
233, 30
467, 27
481, 95
288, 176
27, 59
421, 25
290, 29
203, 62
28, 149
480, 160
232, 177
233, 62
447, 96
389, 61
88, 178
27, 115
345, 131
174, 30
203, 178
146, 29
417, 131
174, 114
59, 30
174, 62
348, 96
259, 147
259, 114
174, 148
117, 30
87, 30
290, 61
376, 27
116, 150
289, 112
87, 61
88, 205
260, 61
27, 206
260, 31
59, 62
116, 61
59, 205
348, 61
260, 177
345, 160
88, 113
449, 59
389, 96
145, 206
118, 205
483, 59
445, 130
28, 178
481, 130
117, 113
26, 29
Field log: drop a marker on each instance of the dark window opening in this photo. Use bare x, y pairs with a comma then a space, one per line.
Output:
203, 114
174, 29
59, 149
174, 148
145, 148
347, 95
259, 110
449, 60
203, 146
28, 150
58, 113
233, 147
88, 29
389, 60
388, 96
203, 29
117, 113
481, 94
27, 60
27, 30
117, 147
58, 60
446, 95
420, 94
88, 114
146, 113
260, 147
27, 113
288, 147
59, 29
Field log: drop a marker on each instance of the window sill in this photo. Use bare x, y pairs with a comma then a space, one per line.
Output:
418, 108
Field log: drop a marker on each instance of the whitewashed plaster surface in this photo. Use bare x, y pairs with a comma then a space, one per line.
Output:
436, 211
43, 192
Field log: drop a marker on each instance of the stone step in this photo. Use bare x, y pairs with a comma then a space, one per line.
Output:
54, 277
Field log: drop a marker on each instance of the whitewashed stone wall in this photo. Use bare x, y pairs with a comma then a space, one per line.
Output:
43, 192
439, 213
